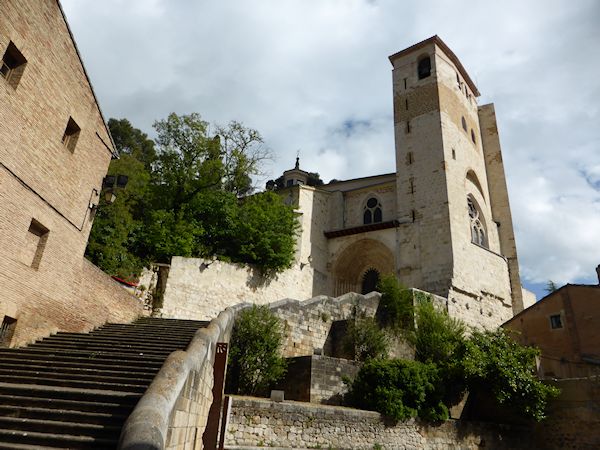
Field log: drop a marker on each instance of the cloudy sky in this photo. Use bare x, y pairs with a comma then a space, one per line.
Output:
313, 76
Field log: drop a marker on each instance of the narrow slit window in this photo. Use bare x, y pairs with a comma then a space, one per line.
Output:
407, 126
405, 83
409, 158
406, 104
453, 154
71, 135
12, 65
473, 136
464, 123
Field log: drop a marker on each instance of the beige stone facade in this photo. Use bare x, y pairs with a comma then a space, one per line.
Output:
441, 222
54, 152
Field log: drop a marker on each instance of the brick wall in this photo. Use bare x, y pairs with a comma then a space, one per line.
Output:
46, 187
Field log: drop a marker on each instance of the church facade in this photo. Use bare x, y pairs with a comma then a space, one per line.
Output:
441, 222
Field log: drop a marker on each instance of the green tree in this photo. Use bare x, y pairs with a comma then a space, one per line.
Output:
188, 160
113, 244
132, 141
550, 287
244, 154
265, 232
254, 362
495, 363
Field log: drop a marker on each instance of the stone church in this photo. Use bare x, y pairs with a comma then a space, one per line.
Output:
441, 222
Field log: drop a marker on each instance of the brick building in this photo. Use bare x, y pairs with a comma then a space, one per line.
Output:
564, 326
54, 152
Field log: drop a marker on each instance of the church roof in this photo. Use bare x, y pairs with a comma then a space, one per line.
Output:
441, 44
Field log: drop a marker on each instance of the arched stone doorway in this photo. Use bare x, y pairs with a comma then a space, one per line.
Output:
360, 265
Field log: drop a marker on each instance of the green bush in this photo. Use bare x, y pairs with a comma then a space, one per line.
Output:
396, 305
398, 389
495, 363
254, 357
365, 340
437, 337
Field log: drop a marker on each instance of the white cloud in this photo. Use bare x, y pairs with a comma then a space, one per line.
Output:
300, 71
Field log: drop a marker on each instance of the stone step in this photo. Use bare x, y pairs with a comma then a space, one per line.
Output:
123, 378
132, 386
51, 346
50, 440
133, 339
15, 446
74, 362
63, 355
49, 368
115, 408
60, 427
152, 328
31, 412
68, 393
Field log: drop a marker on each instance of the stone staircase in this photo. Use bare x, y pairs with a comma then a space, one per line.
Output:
75, 390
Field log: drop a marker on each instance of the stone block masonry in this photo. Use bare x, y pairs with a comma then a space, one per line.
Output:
263, 423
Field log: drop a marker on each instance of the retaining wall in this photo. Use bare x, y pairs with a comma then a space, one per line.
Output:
259, 422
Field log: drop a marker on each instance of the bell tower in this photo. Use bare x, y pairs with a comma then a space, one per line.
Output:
449, 242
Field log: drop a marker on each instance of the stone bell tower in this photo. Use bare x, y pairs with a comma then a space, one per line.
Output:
456, 236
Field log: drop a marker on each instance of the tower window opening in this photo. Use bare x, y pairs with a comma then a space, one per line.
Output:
458, 81
453, 154
407, 126
464, 123
372, 212
405, 83
472, 135
478, 235
411, 185
424, 68
409, 158
406, 103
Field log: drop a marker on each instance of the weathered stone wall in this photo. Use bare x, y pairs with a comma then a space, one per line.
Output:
307, 324
199, 288
317, 379
259, 422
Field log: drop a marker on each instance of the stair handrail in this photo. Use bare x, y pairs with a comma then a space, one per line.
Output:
147, 426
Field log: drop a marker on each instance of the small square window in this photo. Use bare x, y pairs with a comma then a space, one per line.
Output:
35, 243
555, 321
12, 65
71, 135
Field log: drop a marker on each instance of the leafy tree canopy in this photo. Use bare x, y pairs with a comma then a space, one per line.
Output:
184, 198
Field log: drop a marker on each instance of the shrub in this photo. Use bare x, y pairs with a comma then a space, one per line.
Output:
396, 305
494, 362
365, 340
398, 389
254, 358
437, 337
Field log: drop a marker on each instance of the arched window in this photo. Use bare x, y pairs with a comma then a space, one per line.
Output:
478, 235
424, 68
372, 211
464, 123
369, 281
